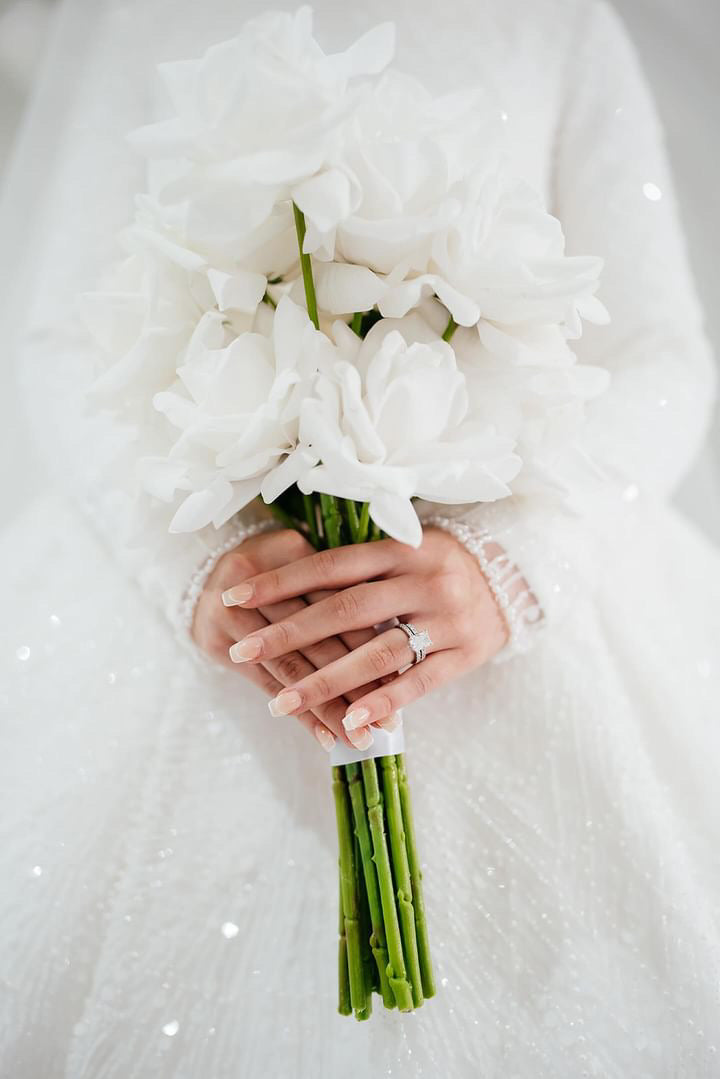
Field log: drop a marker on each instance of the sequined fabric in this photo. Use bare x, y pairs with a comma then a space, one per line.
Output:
168, 895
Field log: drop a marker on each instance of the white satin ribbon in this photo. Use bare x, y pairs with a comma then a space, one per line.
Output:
384, 744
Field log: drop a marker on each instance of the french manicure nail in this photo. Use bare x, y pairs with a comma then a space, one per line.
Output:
324, 737
358, 718
360, 739
248, 648
390, 723
286, 702
235, 597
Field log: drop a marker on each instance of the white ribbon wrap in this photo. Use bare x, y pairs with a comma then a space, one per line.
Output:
384, 744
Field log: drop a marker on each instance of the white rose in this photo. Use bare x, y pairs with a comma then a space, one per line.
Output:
390, 188
389, 421
538, 398
255, 117
151, 306
506, 254
142, 319
237, 409
493, 256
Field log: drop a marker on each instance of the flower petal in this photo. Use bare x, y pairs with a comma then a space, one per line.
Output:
396, 516
241, 291
343, 288
199, 508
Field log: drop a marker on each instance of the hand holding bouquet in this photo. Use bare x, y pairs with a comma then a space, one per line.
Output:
337, 299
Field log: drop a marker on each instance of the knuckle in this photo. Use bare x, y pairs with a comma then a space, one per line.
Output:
383, 704
422, 682
445, 551
294, 545
236, 566
282, 635
451, 590
346, 605
382, 658
325, 563
290, 668
321, 688
270, 582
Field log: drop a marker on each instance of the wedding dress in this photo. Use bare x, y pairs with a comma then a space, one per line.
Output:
168, 897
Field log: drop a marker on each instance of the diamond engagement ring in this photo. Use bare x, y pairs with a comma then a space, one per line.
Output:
419, 640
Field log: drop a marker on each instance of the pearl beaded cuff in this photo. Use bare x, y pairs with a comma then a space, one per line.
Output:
188, 603
520, 610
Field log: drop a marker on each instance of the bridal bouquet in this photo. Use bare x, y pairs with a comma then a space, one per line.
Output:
337, 298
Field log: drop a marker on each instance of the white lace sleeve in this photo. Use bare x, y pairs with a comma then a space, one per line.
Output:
614, 197
518, 606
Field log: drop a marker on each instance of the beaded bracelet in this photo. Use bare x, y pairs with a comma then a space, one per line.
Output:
521, 612
197, 582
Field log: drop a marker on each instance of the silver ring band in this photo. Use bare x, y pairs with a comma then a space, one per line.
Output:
419, 640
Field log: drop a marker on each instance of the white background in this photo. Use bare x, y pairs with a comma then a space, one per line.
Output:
678, 47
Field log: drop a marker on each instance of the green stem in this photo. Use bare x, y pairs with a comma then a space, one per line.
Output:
450, 329
375, 533
363, 522
356, 324
332, 520
306, 267
362, 830
267, 298
403, 884
344, 1006
370, 970
311, 518
396, 966
353, 522
423, 944
350, 906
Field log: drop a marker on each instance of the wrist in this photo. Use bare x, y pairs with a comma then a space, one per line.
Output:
516, 603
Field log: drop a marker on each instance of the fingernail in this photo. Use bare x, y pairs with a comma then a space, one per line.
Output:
235, 597
390, 723
248, 648
326, 740
360, 739
358, 718
286, 702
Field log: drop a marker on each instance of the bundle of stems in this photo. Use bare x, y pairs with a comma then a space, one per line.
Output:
383, 945
383, 941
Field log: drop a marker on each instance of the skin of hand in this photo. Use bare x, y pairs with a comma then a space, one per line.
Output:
216, 627
438, 587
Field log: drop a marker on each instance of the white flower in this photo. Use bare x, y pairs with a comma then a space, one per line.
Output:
493, 256
237, 408
389, 189
255, 117
389, 421
407, 208
235, 283
152, 303
505, 254
142, 318
538, 398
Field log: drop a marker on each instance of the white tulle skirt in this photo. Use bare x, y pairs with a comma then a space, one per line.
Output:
169, 889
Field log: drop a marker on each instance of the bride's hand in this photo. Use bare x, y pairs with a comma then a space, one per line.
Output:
439, 588
216, 626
